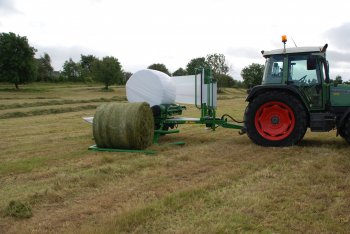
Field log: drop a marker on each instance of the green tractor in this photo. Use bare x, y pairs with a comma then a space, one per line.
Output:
296, 93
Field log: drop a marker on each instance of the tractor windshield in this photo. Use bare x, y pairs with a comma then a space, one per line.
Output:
273, 70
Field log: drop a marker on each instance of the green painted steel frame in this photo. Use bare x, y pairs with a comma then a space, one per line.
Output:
158, 133
207, 108
95, 148
207, 121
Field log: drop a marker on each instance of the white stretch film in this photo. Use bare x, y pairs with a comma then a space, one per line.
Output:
150, 86
186, 90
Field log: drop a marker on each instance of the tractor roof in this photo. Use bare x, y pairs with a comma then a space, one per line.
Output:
315, 49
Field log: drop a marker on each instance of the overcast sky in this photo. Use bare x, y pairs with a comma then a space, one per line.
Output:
142, 32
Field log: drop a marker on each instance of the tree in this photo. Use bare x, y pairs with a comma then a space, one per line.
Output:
71, 70
86, 63
196, 63
238, 84
180, 72
17, 63
252, 75
159, 67
224, 81
220, 68
126, 76
338, 79
44, 68
218, 64
108, 70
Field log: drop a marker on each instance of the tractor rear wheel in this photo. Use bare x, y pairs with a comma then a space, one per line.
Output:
275, 119
344, 131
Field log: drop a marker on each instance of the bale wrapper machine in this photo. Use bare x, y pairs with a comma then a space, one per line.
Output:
166, 115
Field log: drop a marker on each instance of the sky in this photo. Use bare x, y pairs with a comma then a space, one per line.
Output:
142, 32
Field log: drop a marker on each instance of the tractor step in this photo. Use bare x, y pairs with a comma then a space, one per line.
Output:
322, 122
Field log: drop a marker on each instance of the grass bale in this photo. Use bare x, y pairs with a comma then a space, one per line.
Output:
123, 126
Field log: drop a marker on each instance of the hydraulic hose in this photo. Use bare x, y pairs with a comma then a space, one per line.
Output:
233, 119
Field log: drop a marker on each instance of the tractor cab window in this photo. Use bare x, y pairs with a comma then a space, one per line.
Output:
273, 70
301, 71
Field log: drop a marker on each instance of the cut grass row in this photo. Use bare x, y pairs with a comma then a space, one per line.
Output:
27, 98
18, 114
59, 102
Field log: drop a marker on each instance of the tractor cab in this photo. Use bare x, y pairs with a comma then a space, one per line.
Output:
303, 68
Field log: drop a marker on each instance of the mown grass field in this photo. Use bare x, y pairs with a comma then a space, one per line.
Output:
219, 182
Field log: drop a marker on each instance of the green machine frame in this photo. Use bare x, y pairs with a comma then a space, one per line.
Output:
166, 119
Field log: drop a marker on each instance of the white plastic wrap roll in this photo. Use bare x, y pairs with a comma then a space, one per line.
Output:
153, 87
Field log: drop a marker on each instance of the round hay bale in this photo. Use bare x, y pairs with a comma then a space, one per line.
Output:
123, 126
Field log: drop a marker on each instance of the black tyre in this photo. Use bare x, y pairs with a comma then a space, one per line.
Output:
275, 119
344, 130
341, 132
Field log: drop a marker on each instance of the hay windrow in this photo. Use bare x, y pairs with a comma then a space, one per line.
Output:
123, 126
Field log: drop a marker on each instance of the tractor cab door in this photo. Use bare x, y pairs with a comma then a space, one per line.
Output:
304, 72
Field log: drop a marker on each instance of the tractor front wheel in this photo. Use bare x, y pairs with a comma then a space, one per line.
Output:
275, 119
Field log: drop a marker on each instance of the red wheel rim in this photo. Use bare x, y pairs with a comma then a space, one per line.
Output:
274, 121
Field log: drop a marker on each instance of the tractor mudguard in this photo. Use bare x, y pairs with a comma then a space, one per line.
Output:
259, 89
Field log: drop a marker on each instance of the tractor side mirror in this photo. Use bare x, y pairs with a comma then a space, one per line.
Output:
311, 63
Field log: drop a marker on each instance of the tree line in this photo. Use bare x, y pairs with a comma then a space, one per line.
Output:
18, 66
216, 62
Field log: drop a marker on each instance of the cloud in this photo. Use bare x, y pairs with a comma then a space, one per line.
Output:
7, 7
96, 1
60, 54
339, 53
338, 36
245, 52
339, 64
338, 57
